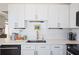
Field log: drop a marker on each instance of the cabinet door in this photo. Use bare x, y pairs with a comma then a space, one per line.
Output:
74, 7
16, 15
58, 49
42, 11
57, 53
52, 16
63, 16
20, 14
58, 16
11, 17
27, 52
43, 52
30, 11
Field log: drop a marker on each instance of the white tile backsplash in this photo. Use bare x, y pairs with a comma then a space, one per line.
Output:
47, 33
57, 33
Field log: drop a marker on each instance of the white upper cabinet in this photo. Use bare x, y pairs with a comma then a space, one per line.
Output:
74, 7
15, 17
63, 16
36, 11
20, 14
52, 16
16, 14
30, 11
58, 16
42, 11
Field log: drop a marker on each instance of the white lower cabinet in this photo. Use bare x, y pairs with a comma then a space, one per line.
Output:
43, 52
56, 52
43, 49
58, 49
27, 49
27, 52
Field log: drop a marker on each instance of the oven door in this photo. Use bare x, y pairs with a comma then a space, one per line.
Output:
10, 49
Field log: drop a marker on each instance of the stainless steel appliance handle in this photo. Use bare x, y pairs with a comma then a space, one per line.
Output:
9, 48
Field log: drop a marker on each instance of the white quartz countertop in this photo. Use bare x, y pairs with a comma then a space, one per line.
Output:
50, 41
6, 41
62, 41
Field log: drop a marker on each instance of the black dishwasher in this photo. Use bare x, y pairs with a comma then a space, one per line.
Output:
10, 50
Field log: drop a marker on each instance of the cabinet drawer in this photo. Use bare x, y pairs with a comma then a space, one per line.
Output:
28, 46
43, 47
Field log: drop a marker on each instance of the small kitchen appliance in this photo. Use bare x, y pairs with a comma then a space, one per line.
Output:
72, 36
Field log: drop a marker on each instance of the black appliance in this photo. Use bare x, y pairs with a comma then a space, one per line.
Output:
72, 36
10, 50
73, 49
77, 18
